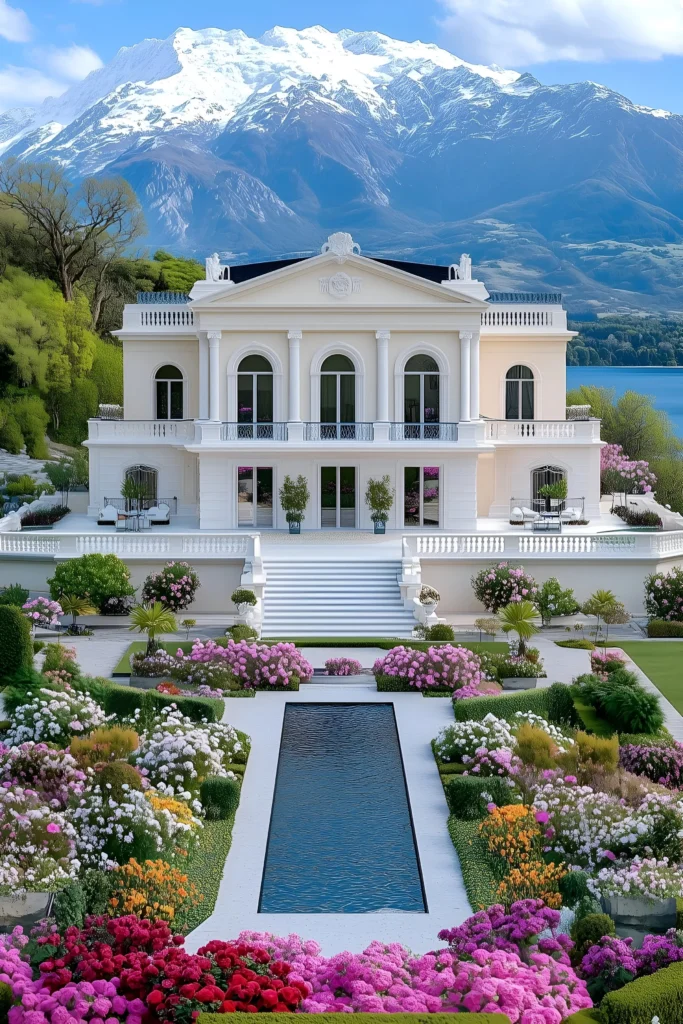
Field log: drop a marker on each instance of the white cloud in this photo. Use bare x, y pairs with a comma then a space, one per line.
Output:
26, 87
73, 62
14, 25
514, 32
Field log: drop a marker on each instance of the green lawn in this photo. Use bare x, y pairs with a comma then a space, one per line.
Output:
661, 662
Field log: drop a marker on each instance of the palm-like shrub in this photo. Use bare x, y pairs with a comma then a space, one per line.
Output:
74, 606
520, 617
599, 603
152, 620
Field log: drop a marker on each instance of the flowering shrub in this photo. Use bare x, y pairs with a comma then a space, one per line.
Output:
512, 833
343, 667
254, 664
174, 586
153, 890
110, 831
664, 595
608, 966
648, 878
552, 600
43, 612
201, 668
54, 717
465, 739
492, 762
438, 668
619, 473
661, 764
76, 1002
604, 661
160, 663
516, 930
658, 951
535, 879
503, 584
54, 774
588, 827
178, 754
36, 843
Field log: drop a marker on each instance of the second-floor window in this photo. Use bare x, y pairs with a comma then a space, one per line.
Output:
421, 390
519, 393
254, 390
337, 390
169, 393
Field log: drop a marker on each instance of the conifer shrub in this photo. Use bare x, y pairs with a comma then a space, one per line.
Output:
220, 797
16, 642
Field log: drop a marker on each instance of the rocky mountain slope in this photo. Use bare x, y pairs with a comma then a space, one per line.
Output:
261, 147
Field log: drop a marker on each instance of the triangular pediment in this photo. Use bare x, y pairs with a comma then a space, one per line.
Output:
326, 281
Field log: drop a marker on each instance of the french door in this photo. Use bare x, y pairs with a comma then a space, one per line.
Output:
421, 496
337, 496
255, 496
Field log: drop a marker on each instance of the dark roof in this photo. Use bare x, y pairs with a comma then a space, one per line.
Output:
247, 271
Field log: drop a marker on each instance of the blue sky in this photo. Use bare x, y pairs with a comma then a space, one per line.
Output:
629, 45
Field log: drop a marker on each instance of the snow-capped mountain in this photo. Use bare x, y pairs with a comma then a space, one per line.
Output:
261, 147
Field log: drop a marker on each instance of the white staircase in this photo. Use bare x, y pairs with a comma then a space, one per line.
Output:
334, 598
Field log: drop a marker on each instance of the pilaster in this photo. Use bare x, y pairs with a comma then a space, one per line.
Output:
465, 374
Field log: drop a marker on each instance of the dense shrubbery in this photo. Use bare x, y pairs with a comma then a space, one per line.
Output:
102, 579
664, 595
503, 584
174, 586
447, 668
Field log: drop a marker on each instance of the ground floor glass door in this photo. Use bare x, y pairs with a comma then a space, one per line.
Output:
255, 496
421, 496
337, 496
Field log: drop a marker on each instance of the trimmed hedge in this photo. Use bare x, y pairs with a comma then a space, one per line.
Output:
554, 703
662, 628
584, 1017
16, 642
655, 995
361, 1018
480, 882
220, 797
463, 795
126, 700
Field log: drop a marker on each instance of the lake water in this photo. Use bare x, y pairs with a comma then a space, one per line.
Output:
663, 384
341, 834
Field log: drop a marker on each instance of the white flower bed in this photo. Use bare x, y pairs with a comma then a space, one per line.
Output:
54, 717
178, 754
36, 844
463, 739
648, 878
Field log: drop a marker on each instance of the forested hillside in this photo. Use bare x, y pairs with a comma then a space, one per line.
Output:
626, 341
64, 278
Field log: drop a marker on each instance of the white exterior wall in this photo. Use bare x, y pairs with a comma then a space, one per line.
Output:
176, 467
514, 465
142, 359
545, 357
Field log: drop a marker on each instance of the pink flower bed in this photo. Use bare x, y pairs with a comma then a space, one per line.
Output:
343, 667
601, 661
619, 473
43, 612
254, 664
449, 668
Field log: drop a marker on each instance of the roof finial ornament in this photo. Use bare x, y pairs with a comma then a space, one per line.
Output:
461, 271
341, 244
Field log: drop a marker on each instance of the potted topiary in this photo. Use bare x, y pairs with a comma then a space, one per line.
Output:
294, 497
556, 491
243, 599
379, 497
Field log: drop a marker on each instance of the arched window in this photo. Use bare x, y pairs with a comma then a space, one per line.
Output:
542, 476
519, 393
337, 390
145, 479
421, 390
254, 390
169, 388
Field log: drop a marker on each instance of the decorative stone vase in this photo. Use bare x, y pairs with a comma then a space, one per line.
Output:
429, 607
295, 527
24, 909
380, 526
639, 913
519, 683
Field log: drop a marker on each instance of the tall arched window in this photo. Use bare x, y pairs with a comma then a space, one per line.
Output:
421, 390
254, 390
519, 393
337, 390
542, 476
169, 393
145, 478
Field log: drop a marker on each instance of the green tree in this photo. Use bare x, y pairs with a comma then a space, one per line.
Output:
96, 577
599, 603
520, 617
107, 372
153, 620
379, 497
294, 497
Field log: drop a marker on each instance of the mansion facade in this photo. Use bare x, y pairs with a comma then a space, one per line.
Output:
342, 368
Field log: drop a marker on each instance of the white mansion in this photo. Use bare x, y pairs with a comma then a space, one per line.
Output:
344, 368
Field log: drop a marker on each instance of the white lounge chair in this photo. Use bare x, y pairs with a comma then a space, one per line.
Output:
108, 516
570, 515
529, 515
159, 515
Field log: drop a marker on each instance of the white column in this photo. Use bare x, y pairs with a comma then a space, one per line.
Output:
465, 384
474, 376
214, 375
382, 413
203, 377
294, 338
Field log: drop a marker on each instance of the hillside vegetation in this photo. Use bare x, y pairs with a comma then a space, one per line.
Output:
626, 341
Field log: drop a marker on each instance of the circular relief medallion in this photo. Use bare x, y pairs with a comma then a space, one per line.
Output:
341, 285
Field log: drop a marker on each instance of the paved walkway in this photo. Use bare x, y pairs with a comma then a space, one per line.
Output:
418, 719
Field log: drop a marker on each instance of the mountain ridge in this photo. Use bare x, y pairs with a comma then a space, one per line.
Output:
259, 148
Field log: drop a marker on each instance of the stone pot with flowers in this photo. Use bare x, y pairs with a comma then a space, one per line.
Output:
429, 599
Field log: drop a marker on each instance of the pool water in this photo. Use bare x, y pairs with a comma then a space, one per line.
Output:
341, 837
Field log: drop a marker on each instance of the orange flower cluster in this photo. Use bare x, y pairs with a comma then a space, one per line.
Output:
512, 832
536, 880
154, 891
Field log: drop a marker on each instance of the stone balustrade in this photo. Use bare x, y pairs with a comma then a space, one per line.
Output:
622, 544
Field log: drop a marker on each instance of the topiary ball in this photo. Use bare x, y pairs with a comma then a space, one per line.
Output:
113, 777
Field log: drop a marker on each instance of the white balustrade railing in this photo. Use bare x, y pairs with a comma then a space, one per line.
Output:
167, 545
165, 317
621, 544
542, 430
517, 318
169, 431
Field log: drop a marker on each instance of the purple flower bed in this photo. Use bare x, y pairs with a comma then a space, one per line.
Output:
660, 764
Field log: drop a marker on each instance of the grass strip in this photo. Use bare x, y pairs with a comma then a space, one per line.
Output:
488, 646
591, 720
661, 663
480, 881
205, 869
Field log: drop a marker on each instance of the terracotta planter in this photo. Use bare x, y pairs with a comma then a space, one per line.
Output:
25, 909
519, 683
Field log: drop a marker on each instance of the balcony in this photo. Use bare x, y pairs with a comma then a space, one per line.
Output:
622, 544
339, 432
253, 432
424, 432
516, 431
159, 311
157, 431
521, 312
